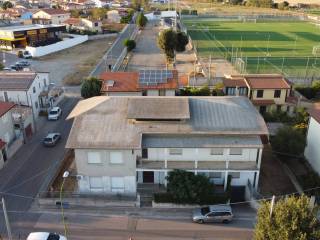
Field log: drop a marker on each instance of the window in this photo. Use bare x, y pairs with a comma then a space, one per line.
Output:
36, 104
175, 151
117, 184
216, 151
116, 157
215, 174
34, 89
95, 183
145, 153
235, 151
234, 174
260, 94
231, 91
94, 158
277, 93
39, 85
96, 24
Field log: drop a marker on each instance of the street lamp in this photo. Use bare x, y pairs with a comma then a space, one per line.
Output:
64, 176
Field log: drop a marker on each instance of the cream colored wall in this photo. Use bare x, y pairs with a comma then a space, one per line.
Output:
269, 95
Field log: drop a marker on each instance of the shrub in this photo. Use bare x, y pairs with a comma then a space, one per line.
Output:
130, 44
141, 20
90, 87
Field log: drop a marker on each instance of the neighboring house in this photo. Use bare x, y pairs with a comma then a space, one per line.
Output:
113, 16
7, 133
144, 82
25, 88
50, 16
72, 6
120, 142
83, 24
101, 3
312, 150
268, 92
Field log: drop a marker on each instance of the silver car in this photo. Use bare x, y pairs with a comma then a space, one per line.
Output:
214, 213
51, 139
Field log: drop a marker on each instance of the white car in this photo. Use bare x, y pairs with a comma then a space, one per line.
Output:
54, 113
45, 236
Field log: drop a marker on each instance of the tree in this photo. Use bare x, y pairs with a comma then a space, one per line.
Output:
260, 3
75, 13
98, 13
292, 219
289, 141
90, 87
167, 42
141, 20
186, 187
182, 41
130, 44
7, 5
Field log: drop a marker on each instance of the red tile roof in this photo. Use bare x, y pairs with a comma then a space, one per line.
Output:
72, 21
53, 11
263, 102
183, 81
261, 81
2, 144
5, 107
123, 81
234, 82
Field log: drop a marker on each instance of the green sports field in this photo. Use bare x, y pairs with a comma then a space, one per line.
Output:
261, 47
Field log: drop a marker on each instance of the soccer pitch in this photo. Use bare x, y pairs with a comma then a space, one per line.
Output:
260, 47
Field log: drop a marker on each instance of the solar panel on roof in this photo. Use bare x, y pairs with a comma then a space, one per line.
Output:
154, 77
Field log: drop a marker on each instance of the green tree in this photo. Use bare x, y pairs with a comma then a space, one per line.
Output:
98, 13
141, 20
91, 87
75, 13
130, 44
1, 66
260, 3
182, 41
6, 5
289, 140
167, 41
186, 187
292, 219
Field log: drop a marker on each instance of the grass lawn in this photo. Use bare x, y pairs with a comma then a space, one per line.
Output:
266, 47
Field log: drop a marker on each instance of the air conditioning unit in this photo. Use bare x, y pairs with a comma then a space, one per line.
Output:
79, 177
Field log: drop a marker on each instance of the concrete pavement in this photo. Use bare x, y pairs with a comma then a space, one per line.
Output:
23, 175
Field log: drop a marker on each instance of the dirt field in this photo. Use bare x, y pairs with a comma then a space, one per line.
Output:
70, 66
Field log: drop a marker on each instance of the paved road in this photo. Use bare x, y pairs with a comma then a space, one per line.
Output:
147, 54
114, 52
142, 224
24, 174
10, 58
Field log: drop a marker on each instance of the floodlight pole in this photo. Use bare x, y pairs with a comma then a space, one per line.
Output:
6, 219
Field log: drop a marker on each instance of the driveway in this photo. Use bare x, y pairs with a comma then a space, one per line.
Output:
22, 177
147, 54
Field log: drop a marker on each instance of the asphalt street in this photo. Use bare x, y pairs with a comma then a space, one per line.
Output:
23, 175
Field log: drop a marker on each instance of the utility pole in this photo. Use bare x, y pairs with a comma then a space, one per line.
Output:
6, 218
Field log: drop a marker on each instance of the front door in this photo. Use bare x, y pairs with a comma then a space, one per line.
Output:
263, 109
148, 177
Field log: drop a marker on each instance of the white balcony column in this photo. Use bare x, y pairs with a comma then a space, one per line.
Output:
225, 180
259, 157
196, 161
165, 158
257, 181
165, 178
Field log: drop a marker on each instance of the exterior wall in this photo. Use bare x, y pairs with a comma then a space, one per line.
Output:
55, 19
106, 170
123, 94
29, 98
312, 150
152, 92
6, 127
170, 92
66, 43
268, 94
203, 154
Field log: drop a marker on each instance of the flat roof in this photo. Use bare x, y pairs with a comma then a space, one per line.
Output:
16, 80
27, 27
158, 108
199, 141
102, 122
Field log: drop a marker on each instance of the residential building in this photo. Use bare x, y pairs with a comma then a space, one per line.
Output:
101, 3
144, 82
7, 133
83, 24
25, 88
268, 92
29, 35
113, 16
50, 16
312, 150
120, 142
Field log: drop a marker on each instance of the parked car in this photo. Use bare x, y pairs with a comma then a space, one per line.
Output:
8, 69
16, 67
24, 54
54, 113
45, 236
23, 63
51, 139
214, 213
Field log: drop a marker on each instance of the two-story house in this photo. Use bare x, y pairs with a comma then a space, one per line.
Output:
142, 83
50, 16
268, 92
312, 150
83, 24
7, 133
120, 142
25, 88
